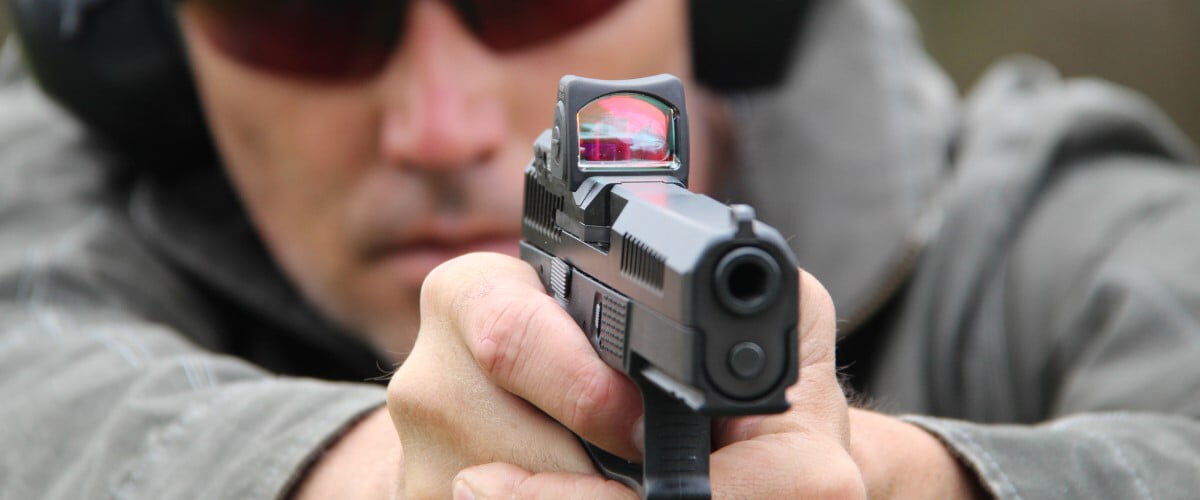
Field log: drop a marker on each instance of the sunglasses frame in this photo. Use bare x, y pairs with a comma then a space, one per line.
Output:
329, 40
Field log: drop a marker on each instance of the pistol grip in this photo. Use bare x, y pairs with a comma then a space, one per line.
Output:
678, 442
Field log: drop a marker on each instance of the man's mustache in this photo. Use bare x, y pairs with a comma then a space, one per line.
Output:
440, 207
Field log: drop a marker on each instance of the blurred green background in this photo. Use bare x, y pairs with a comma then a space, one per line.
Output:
1150, 45
3, 20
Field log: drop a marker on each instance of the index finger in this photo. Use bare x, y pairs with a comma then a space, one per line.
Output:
528, 345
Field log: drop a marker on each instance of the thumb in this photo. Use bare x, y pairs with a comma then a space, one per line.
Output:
500, 480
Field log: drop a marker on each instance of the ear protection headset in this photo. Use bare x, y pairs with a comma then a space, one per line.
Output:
119, 65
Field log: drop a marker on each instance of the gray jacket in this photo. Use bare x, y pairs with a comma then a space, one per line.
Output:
1018, 269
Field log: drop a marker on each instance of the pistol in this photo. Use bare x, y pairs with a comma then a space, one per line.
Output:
694, 300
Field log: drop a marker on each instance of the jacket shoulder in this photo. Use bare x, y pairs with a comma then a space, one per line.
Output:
1024, 133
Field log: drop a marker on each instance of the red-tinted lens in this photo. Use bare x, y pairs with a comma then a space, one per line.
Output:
514, 24
324, 39
630, 129
346, 39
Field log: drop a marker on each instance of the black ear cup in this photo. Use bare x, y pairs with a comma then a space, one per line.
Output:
740, 45
118, 65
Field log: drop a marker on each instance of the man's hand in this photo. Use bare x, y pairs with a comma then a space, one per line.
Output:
498, 364
487, 327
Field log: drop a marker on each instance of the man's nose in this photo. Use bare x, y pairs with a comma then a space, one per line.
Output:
443, 107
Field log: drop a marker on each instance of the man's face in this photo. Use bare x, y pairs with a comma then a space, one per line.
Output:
360, 189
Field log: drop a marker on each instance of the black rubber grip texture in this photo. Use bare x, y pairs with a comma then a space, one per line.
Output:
678, 443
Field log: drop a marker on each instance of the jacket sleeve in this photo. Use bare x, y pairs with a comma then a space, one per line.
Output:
97, 406
1103, 306
98, 400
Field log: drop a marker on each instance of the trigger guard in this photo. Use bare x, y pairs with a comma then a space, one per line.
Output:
616, 468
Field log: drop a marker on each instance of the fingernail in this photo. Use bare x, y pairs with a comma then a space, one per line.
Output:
639, 434
462, 491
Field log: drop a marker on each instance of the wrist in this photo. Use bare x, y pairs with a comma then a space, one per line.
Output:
901, 460
363, 463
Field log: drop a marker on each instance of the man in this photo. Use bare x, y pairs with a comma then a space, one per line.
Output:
1052, 301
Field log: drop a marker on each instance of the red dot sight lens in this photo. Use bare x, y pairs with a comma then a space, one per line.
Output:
626, 129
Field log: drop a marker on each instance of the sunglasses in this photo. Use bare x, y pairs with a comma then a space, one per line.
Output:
353, 39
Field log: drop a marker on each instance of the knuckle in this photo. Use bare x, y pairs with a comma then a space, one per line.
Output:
452, 281
465, 283
526, 488
542, 487
408, 402
420, 398
498, 332
588, 397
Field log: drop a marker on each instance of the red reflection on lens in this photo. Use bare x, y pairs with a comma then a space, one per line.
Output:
623, 128
351, 39
514, 24
309, 38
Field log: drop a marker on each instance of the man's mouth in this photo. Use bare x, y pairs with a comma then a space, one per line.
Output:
412, 261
